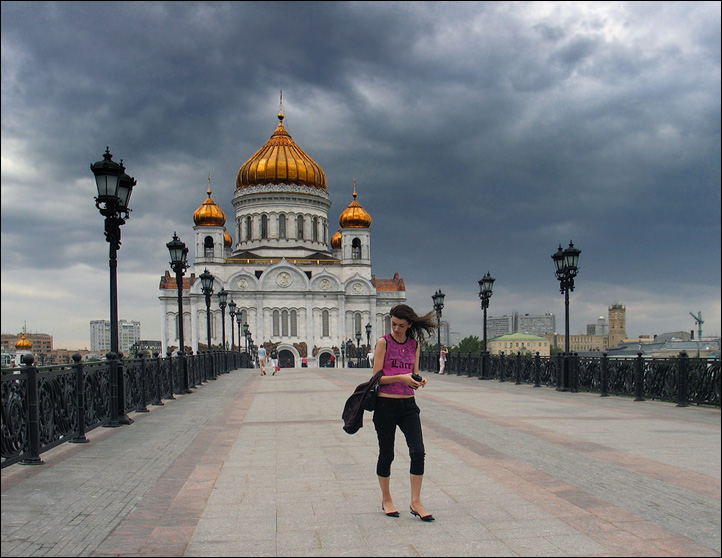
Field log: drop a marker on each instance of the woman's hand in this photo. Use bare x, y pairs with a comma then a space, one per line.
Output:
413, 383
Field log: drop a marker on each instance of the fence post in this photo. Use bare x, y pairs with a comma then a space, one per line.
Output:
142, 408
169, 359
638, 378
574, 372
682, 377
80, 437
537, 370
605, 376
33, 415
518, 368
158, 392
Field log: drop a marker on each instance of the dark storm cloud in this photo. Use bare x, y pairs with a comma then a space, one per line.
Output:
481, 135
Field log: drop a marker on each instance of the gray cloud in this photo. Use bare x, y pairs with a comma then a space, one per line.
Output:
481, 136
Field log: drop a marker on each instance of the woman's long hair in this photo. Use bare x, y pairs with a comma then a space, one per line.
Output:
420, 326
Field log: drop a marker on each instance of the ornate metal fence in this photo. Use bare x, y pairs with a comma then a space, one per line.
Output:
679, 379
40, 405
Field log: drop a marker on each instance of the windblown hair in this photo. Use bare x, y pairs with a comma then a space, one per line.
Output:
420, 326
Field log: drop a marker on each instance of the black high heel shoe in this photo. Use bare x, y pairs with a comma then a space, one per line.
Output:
390, 514
428, 517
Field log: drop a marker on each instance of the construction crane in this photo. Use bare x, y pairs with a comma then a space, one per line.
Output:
700, 321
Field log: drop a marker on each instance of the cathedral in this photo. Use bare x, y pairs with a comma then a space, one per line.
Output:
296, 292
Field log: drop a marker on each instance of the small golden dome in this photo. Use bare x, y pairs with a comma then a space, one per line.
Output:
209, 214
336, 240
281, 161
227, 240
355, 216
23, 343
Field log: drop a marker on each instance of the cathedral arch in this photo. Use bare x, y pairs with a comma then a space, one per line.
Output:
208, 248
282, 226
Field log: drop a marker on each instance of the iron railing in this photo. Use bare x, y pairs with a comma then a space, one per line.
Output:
679, 379
40, 404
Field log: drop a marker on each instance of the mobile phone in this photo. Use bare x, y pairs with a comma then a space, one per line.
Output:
416, 377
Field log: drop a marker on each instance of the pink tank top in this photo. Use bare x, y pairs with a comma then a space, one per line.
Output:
399, 359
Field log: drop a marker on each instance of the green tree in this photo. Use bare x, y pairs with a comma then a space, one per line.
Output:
471, 344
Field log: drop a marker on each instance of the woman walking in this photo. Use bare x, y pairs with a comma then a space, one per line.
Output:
442, 358
397, 354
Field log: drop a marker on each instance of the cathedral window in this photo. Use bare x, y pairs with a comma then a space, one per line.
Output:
356, 249
284, 323
281, 226
325, 231
249, 229
208, 247
264, 226
314, 224
294, 323
276, 320
299, 227
357, 322
387, 324
324, 323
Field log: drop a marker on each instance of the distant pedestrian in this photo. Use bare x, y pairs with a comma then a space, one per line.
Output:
262, 359
442, 358
370, 358
274, 360
397, 356
304, 362
332, 361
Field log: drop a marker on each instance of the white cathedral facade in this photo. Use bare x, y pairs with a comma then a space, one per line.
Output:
295, 292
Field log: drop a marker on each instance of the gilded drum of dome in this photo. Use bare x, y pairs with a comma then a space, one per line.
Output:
281, 161
227, 240
336, 240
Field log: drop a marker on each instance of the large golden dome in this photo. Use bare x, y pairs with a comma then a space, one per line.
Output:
355, 216
281, 161
23, 343
209, 214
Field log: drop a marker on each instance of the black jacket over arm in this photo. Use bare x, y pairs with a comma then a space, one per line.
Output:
353, 411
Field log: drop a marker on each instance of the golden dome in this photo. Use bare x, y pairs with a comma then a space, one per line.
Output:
336, 240
209, 214
281, 161
227, 240
23, 343
355, 216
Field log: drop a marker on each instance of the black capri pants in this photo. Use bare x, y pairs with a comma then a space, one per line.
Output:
404, 413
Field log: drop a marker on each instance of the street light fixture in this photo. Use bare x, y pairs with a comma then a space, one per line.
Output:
368, 336
114, 189
207, 288
566, 263
486, 285
246, 332
222, 298
438, 298
358, 349
232, 312
179, 263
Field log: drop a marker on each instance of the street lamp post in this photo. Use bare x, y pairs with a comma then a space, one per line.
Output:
207, 288
486, 284
114, 189
438, 298
232, 313
368, 338
358, 349
246, 332
566, 262
222, 298
343, 354
179, 263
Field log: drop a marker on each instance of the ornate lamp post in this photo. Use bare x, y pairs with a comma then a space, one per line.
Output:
358, 349
343, 354
207, 288
438, 298
566, 262
179, 264
486, 284
232, 313
222, 297
114, 189
246, 332
368, 338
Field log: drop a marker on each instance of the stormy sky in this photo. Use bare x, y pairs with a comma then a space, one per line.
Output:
481, 134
